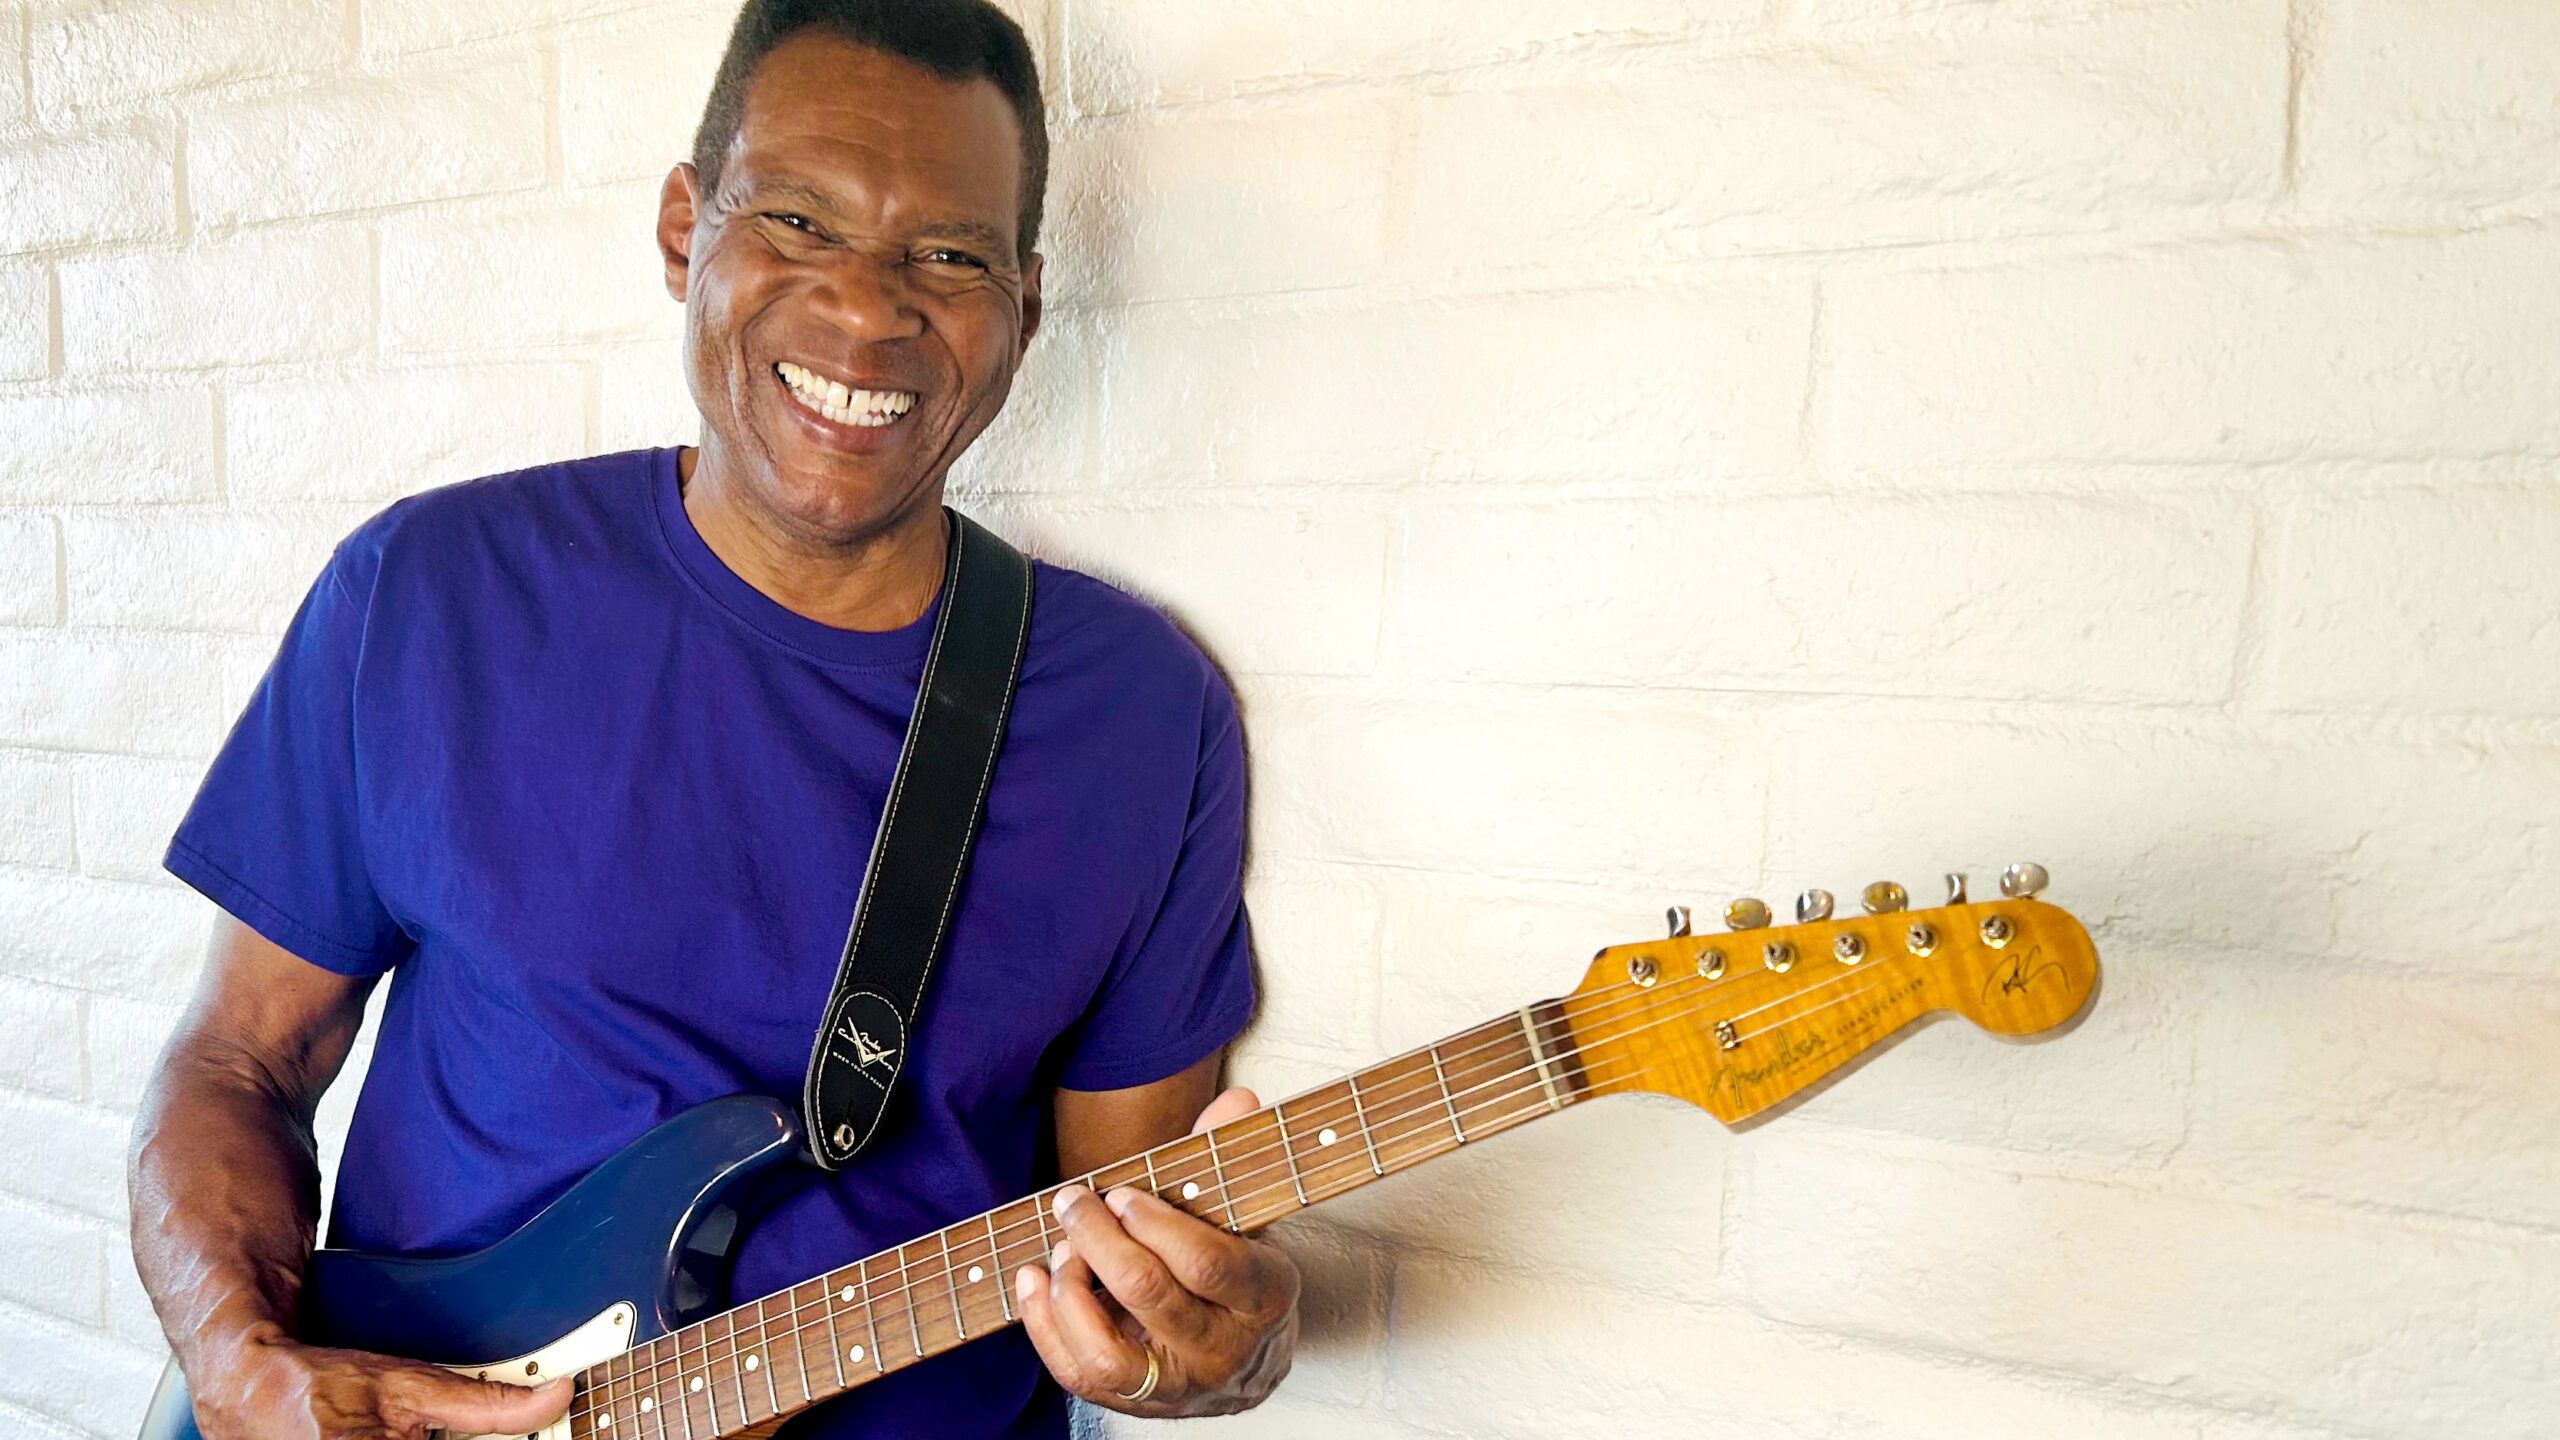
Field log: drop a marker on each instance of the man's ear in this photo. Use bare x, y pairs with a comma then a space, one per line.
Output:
1030, 304
676, 212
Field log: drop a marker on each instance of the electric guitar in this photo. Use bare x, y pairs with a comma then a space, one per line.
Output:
623, 1280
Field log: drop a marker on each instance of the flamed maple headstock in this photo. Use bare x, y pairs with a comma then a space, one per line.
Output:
1739, 1021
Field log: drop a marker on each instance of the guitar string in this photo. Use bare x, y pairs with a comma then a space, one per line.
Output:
923, 1270
1533, 1104
904, 1281
911, 1274
1593, 1089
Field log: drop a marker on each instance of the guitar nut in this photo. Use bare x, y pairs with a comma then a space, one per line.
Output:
1996, 930
1642, 970
1849, 948
1778, 956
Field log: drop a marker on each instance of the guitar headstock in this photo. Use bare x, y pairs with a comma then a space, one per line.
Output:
1737, 1022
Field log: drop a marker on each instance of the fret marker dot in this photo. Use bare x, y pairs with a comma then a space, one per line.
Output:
846, 1294
753, 1362
1326, 1136
977, 1273
647, 1404
854, 1354
604, 1421
697, 1384
1190, 1189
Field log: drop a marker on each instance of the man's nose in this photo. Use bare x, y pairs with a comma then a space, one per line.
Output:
869, 296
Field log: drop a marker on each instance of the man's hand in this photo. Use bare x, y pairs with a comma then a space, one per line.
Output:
275, 1389
1218, 1312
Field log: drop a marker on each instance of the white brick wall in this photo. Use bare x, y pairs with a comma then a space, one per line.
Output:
1626, 451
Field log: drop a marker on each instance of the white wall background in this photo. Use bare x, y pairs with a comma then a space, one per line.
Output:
1626, 451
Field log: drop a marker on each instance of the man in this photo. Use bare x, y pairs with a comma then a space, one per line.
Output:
588, 758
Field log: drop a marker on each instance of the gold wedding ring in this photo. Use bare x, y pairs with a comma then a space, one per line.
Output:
1147, 1386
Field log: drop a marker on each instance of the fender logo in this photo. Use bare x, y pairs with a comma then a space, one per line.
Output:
865, 1050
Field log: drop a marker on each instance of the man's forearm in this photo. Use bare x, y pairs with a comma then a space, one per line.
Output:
225, 1184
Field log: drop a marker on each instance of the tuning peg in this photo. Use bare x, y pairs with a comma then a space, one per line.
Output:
1677, 918
1955, 887
1746, 913
1813, 905
2024, 880
1884, 897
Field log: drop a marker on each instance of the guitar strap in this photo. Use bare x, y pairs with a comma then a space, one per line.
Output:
921, 849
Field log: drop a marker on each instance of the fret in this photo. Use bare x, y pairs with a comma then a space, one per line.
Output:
907, 1297
701, 1384
1508, 1076
598, 1396
1360, 1117
1446, 1098
684, 1410
669, 1382
737, 1367
1424, 1129
800, 1345
764, 1347
1337, 1170
1538, 1057
1280, 1123
951, 1280
870, 1315
651, 1404
1196, 1177
1507, 1081
647, 1388
737, 1372
629, 1380
835, 1336
996, 1270
790, 1336
1218, 1170
630, 1408
728, 1321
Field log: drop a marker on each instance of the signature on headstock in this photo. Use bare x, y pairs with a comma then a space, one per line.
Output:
2022, 970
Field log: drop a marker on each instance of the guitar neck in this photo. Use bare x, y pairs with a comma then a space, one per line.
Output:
1734, 1024
747, 1368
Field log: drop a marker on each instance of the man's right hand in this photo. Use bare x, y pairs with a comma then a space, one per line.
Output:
272, 1388
226, 1196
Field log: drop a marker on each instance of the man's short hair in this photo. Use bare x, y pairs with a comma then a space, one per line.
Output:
955, 39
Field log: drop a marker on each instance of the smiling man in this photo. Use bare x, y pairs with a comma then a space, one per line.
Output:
588, 757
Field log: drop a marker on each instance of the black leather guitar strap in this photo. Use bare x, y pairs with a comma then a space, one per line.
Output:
922, 847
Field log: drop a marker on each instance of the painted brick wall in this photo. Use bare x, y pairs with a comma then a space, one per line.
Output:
1626, 451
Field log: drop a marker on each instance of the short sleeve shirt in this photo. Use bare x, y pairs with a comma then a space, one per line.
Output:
601, 808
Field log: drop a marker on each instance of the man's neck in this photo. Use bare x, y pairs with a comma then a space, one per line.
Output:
881, 582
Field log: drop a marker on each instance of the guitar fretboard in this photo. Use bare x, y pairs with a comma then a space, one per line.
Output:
786, 1351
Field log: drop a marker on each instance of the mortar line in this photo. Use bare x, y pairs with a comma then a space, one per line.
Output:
2298, 25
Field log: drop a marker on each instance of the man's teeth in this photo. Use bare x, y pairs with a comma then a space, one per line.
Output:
844, 406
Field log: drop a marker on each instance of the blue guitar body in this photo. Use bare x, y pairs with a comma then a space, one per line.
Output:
648, 1237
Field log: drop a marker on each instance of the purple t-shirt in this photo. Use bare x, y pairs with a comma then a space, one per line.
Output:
601, 807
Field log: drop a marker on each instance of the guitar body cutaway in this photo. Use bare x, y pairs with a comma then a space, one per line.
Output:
638, 1247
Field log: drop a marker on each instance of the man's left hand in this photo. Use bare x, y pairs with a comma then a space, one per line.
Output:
1217, 1312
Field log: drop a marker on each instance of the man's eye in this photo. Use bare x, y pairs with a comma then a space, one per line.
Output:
945, 255
786, 217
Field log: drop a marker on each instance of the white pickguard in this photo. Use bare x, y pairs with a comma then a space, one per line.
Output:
598, 1340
